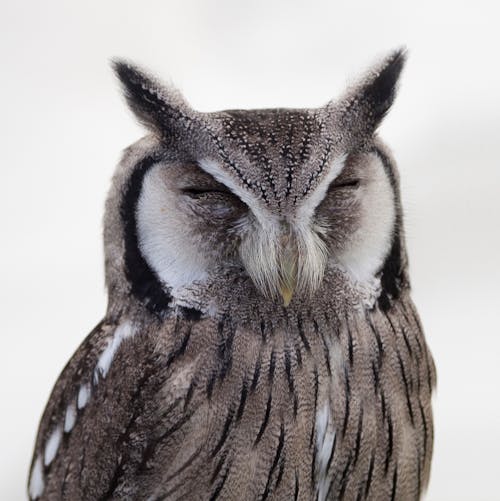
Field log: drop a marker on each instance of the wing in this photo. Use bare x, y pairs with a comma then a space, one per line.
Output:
104, 409
177, 409
68, 399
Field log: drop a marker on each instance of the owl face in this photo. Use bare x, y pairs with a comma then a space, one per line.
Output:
278, 196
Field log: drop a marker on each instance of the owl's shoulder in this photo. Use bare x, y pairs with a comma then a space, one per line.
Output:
114, 376
72, 380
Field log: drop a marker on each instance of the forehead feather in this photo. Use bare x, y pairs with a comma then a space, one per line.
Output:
278, 154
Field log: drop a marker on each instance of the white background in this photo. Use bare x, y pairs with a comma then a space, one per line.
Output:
63, 125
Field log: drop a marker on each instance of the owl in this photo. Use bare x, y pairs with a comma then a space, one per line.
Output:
260, 341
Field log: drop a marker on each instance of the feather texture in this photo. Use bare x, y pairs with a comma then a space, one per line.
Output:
199, 383
216, 407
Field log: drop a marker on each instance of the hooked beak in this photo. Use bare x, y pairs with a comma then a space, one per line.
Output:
288, 267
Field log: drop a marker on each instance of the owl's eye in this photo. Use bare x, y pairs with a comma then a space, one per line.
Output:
341, 196
213, 202
347, 183
200, 193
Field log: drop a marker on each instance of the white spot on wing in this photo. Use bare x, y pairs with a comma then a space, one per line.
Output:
37, 483
325, 437
83, 395
70, 417
123, 331
52, 445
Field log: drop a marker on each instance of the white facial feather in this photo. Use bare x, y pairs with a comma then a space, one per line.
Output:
267, 220
165, 239
260, 249
309, 205
173, 248
370, 243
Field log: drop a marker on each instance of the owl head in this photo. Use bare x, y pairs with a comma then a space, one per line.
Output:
275, 199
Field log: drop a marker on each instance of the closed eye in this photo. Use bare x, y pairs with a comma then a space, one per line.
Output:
348, 183
195, 192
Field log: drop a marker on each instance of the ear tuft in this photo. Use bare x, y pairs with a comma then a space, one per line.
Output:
365, 104
157, 107
379, 91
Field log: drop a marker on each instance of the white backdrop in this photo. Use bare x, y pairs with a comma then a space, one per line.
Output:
64, 124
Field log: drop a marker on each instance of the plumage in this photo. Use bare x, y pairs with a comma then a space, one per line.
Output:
260, 340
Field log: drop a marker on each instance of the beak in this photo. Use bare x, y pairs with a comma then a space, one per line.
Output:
286, 294
288, 268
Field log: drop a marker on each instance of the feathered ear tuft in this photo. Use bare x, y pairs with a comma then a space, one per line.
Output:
156, 106
368, 101
379, 89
